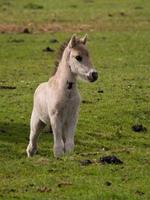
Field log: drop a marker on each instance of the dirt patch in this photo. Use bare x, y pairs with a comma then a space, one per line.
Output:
88, 1
13, 28
90, 153
138, 7
139, 128
100, 91
48, 49
26, 30
110, 15
33, 6
95, 24
85, 162
73, 6
62, 184
42, 161
16, 40
47, 27
7, 87
108, 183
43, 189
139, 192
87, 102
110, 160
8, 28
2, 131
54, 40
123, 14
64, 27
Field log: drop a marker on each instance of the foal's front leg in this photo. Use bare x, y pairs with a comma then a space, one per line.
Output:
56, 124
69, 130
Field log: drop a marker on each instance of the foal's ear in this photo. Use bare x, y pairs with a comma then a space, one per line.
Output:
84, 39
72, 41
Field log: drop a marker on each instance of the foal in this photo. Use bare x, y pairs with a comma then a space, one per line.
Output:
57, 101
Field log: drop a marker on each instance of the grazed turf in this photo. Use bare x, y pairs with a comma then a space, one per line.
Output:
111, 106
74, 16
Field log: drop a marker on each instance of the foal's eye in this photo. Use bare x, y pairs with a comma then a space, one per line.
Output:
78, 58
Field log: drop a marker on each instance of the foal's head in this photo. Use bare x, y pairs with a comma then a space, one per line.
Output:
79, 59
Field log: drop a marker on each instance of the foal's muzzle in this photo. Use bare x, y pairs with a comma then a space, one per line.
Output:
93, 76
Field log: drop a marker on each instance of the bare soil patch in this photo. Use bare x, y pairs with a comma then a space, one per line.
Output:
94, 25
50, 27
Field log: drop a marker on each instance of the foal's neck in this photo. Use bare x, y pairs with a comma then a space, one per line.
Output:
64, 76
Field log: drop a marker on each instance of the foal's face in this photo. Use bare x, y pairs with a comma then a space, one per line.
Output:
80, 62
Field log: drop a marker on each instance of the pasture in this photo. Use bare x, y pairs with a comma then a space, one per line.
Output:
119, 44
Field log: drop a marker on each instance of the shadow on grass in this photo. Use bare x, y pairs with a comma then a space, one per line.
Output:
17, 132
14, 132
14, 138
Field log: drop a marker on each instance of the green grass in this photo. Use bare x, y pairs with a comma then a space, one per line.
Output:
119, 47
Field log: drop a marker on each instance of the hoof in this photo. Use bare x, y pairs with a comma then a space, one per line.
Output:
69, 147
58, 151
31, 150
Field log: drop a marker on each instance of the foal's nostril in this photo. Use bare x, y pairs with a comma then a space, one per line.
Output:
95, 75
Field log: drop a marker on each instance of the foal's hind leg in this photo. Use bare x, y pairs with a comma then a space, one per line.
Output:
35, 126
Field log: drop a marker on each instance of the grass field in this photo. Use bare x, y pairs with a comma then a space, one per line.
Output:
119, 43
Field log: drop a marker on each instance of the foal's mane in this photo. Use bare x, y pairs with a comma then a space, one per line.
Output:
60, 53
